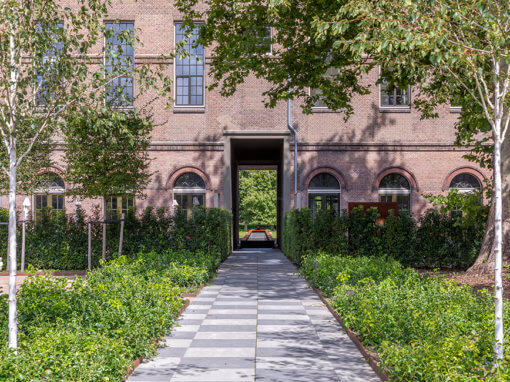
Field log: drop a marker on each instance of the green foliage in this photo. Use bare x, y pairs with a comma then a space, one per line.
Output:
235, 31
436, 240
257, 197
423, 328
363, 231
106, 152
59, 242
207, 230
93, 330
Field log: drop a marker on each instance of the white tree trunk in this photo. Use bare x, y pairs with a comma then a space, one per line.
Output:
498, 246
13, 319
13, 322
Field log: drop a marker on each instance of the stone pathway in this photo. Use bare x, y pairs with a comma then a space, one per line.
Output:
257, 321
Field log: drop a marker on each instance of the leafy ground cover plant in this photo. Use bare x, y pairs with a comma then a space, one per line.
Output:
423, 327
92, 330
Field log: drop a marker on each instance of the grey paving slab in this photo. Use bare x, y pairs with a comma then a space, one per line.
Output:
257, 321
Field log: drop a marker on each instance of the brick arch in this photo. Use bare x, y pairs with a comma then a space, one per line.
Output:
173, 177
329, 170
460, 170
54, 169
396, 170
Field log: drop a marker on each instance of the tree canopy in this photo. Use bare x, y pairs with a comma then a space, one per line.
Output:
257, 197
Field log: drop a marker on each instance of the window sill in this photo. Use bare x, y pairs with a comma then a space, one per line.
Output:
189, 110
319, 110
394, 109
455, 110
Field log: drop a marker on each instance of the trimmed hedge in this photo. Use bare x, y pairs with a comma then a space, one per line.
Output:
59, 242
423, 328
436, 240
94, 330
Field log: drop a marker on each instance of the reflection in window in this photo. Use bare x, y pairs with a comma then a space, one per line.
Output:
331, 73
49, 192
189, 192
396, 188
120, 58
324, 193
189, 70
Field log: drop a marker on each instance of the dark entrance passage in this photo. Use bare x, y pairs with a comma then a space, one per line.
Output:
256, 154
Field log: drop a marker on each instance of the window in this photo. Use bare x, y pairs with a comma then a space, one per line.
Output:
49, 192
118, 205
396, 188
189, 69
331, 73
189, 192
265, 44
393, 96
324, 193
464, 183
119, 60
47, 74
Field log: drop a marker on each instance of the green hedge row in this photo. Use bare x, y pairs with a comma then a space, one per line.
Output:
423, 328
94, 330
60, 242
435, 240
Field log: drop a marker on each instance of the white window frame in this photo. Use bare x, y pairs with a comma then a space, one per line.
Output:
175, 75
121, 107
393, 107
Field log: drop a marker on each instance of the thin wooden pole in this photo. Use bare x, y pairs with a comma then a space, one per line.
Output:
23, 230
103, 254
89, 253
121, 234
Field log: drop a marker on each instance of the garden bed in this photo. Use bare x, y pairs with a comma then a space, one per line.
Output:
421, 327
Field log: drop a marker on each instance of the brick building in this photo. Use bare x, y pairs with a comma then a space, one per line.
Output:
384, 152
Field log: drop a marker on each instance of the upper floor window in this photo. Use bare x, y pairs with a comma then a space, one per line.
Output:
393, 96
324, 193
265, 44
49, 192
189, 69
397, 189
48, 68
119, 60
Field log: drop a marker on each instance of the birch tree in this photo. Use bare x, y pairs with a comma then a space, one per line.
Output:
51, 62
451, 52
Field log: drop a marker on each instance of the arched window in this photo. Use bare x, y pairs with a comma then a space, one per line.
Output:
189, 191
396, 188
324, 193
465, 183
49, 192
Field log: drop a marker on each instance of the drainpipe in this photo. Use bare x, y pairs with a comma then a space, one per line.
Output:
291, 128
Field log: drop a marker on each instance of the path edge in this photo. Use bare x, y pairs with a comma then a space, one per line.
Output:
187, 298
354, 338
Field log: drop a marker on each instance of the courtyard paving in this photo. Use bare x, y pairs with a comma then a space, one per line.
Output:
260, 321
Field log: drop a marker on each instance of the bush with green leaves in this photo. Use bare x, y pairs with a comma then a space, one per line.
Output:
422, 327
60, 242
93, 330
438, 239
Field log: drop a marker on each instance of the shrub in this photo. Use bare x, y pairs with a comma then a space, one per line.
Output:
423, 328
437, 240
60, 242
94, 330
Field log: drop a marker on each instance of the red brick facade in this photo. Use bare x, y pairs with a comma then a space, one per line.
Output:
373, 142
